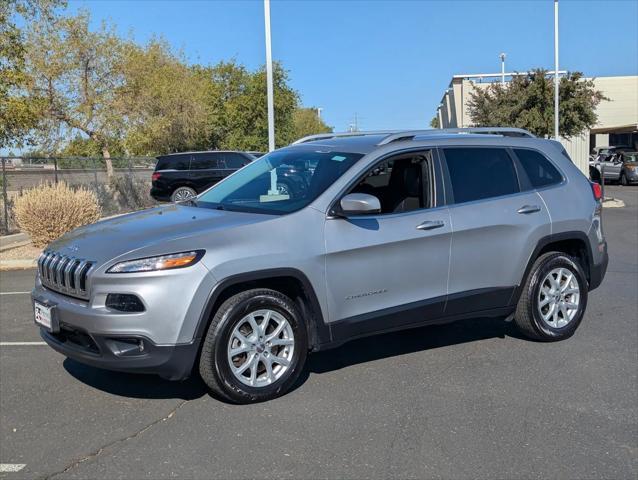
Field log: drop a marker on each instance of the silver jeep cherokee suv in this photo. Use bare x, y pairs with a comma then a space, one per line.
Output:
384, 231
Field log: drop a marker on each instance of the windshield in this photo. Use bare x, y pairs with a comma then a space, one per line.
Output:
281, 182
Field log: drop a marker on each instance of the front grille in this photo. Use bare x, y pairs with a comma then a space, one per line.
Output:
64, 274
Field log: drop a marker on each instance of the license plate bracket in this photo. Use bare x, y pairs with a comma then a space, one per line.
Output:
45, 316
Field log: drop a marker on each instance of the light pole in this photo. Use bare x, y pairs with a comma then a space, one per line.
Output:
269, 84
269, 91
502, 57
556, 69
319, 109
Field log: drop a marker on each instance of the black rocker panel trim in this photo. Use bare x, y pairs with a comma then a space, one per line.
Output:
485, 302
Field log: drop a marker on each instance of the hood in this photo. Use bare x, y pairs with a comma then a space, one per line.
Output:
113, 237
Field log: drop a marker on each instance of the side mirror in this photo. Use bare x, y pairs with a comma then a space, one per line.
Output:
360, 204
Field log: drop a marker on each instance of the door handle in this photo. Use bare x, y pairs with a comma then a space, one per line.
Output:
430, 225
525, 209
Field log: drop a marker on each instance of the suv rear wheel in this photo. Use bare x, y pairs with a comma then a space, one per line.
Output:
255, 347
553, 300
182, 193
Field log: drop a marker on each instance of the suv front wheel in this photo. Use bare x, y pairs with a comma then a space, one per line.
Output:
553, 299
255, 347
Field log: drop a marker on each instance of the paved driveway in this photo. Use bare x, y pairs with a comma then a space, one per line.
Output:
468, 400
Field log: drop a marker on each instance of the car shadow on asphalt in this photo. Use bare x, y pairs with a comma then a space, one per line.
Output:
135, 385
352, 353
403, 342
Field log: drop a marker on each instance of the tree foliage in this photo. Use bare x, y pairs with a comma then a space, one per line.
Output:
528, 102
77, 72
237, 108
19, 112
307, 122
98, 93
162, 100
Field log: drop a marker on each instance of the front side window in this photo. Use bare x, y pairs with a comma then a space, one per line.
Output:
281, 182
399, 183
539, 170
478, 173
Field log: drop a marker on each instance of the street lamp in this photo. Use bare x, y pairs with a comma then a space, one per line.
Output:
502, 57
269, 84
274, 191
556, 69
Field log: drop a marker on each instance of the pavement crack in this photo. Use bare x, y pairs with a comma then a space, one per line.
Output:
99, 451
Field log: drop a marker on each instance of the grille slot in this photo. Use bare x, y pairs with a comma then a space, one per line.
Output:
64, 274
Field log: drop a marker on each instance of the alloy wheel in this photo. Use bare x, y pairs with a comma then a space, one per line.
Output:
261, 348
559, 297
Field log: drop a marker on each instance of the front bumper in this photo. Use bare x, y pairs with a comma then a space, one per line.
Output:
631, 175
132, 354
161, 339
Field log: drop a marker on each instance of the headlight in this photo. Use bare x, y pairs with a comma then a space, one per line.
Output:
161, 262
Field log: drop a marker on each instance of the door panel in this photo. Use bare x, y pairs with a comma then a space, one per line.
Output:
382, 261
493, 240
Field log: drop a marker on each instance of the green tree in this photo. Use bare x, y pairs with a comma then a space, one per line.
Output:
77, 72
19, 112
308, 122
528, 102
434, 123
237, 109
163, 101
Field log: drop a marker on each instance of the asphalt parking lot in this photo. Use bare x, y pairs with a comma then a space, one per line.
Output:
468, 400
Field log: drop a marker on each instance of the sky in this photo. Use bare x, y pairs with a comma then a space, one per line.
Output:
388, 62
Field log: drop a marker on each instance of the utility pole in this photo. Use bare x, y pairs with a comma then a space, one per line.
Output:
354, 126
502, 57
319, 109
556, 82
269, 82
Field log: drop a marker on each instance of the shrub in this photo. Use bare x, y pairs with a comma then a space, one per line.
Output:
131, 193
47, 212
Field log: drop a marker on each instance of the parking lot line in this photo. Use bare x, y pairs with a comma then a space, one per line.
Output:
21, 344
14, 293
11, 467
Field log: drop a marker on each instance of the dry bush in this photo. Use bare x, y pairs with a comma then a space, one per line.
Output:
47, 212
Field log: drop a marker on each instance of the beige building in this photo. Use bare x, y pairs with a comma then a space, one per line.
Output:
617, 118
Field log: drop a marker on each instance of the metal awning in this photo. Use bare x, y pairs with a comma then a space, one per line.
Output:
631, 128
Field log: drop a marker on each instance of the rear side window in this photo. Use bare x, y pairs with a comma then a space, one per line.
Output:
478, 173
173, 162
204, 162
235, 160
539, 170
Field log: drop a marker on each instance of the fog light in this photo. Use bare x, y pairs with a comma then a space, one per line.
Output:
126, 347
124, 302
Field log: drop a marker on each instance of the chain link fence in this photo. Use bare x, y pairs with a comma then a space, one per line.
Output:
127, 190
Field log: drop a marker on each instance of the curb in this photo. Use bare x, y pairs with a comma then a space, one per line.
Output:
18, 264
7, 242
613, 203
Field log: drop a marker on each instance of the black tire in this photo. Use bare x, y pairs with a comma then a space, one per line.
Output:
214, 365
186, 190
623, 179
528, 317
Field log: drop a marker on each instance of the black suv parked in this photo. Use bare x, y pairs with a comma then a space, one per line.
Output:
180, 176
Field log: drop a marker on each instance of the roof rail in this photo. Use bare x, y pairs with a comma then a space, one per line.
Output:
325, 136
410, 134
